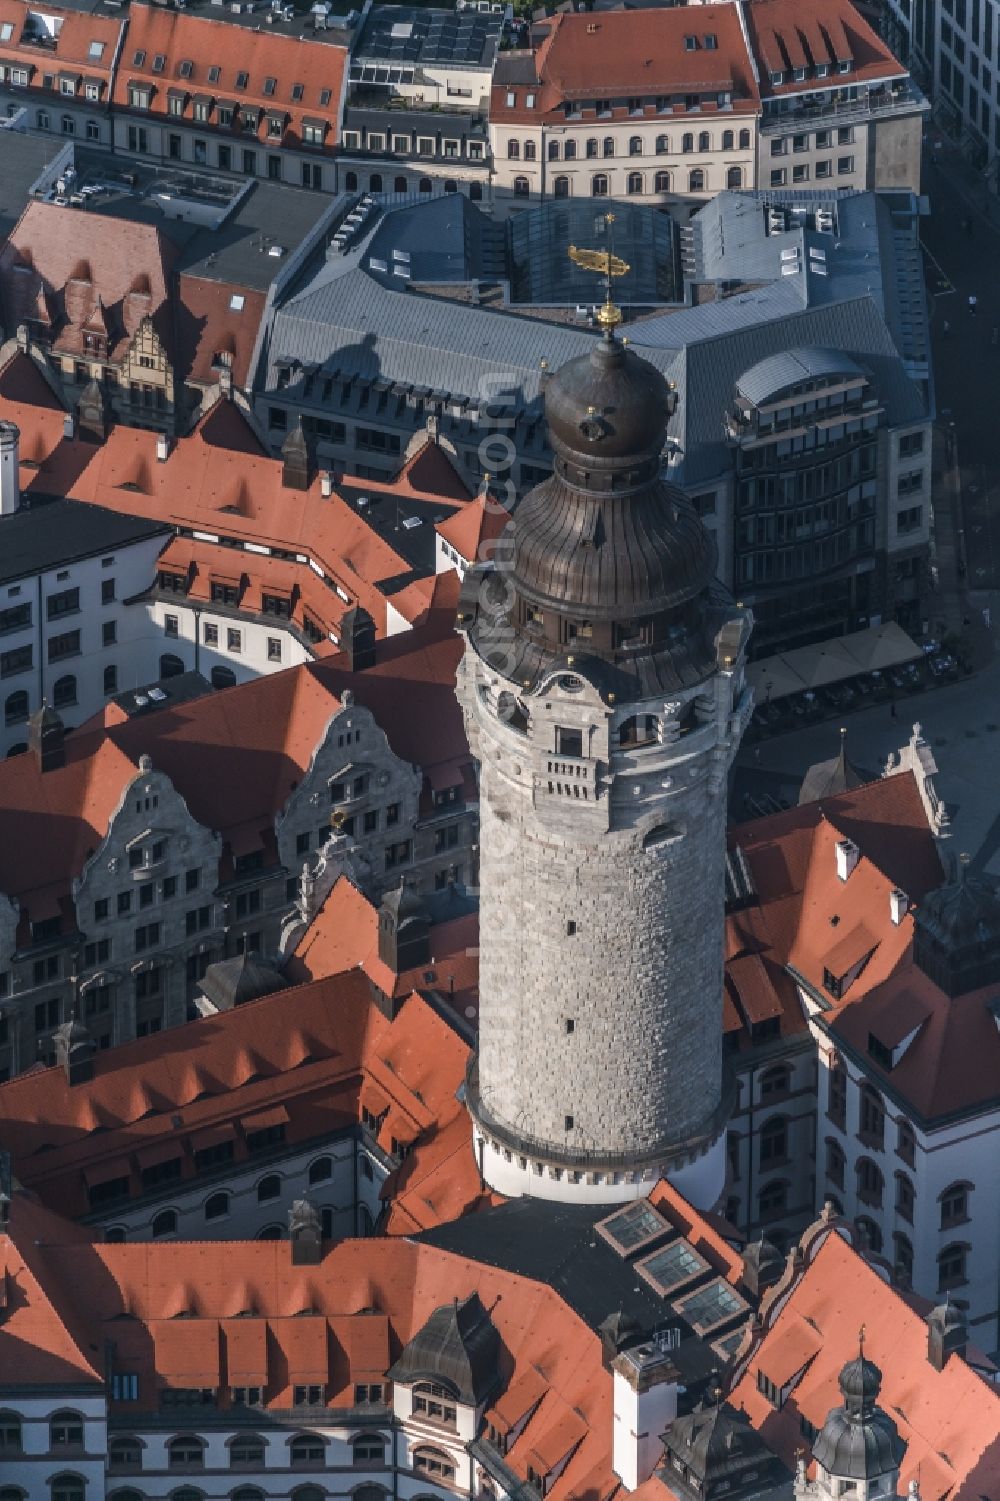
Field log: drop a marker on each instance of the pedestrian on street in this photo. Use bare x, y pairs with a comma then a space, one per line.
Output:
892, 708
973, 299
947, 328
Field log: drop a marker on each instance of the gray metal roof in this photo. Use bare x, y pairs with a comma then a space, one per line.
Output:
406, 35
780, 371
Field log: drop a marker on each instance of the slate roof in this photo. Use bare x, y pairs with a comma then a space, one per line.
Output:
46, 533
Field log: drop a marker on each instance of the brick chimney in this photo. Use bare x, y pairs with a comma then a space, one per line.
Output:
305, 1234
296, 463
47, 739
357, 638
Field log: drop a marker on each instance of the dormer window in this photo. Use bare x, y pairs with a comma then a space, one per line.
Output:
844, 65
435, 1403
799, 75
777, 79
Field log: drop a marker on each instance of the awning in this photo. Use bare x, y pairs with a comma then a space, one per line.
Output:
177, 93
277, 1115
157, 1152
212, 1136
246, 1351
106, 1172
315, 122
881, 646
772, 678
819, 665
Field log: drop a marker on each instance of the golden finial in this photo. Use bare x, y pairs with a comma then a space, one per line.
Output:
609, 266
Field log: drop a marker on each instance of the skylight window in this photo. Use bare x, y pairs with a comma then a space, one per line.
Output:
236, 302
96, 49
138, 58
711, 1306
672, 1267
242, 79
710, 42
631, 1227
270, 84
298, 89
7, 31
214, 74
186, 69
690, 44
325, 96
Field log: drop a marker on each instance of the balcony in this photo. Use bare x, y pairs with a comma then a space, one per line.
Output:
873, 104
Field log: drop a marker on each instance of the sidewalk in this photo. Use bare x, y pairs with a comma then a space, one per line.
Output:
945, 156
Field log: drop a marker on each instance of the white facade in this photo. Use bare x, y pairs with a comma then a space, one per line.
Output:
226, 648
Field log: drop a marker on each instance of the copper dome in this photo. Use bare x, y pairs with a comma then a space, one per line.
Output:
607, 404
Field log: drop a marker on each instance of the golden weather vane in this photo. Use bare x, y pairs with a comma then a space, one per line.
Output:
607, 264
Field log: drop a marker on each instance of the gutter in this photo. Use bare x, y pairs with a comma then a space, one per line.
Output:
744, 30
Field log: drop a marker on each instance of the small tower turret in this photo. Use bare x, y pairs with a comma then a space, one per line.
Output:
858, 1444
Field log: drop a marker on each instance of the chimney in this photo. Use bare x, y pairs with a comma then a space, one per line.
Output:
75, 1049
899, 905
305, 1233
10, 481
763, 1265
404, 937
847, 857
69, 426
47, 739
326, 484
645, 1387
357, 638
947, 1334
162, 448
296, 465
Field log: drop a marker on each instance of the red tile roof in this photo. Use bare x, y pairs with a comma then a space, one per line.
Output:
209, 328
235, 756
287, 77
949, 1419
74, 31
613, 54
81, 266
473, 529
790, 34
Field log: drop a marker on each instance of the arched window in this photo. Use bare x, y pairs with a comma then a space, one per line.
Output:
634, 183
64, 691
569, 151
450, 185
836, 1098
365, 1222
170, 666
368, 1449
186, 1452
10, 1433
369, 1493
164, 1223
727, 140
186, 1493
374, 186
320, 1170
223, 677
248, 1492
872, 1117
952, 1268
905, 1196
513, 151
869, 1235
268, 1188
475, 192
836, 1162
351, 182
704, 141
529, 151
870, 1182
662, 145
954, 1203
15, 709
774, 1082
687, 142
67, 1488
306, 1449
216, 1205
773, 1141
640, 729
434, 1463
124, 1453
734, 177
592, 146
247, 1449
561, 187
425, 185
433, 1401
772, 1199
744, 140
902, 1260
609, 146
308, 1493
110, 680
399, 185
66, 1429
663, 182
635, 146
553, 150
122, 1495
521, 187
599, 185
270, 1232
696, 181
115, 1235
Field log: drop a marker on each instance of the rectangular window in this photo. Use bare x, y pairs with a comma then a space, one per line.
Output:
147, 937
233, 640
192, 880
171, 625
17, 618
109, 633
66, 645
66, 602
845, 165
14, 662
273, 649
211, 634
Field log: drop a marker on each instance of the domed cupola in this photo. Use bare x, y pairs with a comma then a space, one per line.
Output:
609, 563
957, 933
859, 1441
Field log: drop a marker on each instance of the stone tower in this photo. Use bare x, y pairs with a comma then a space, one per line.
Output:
603, 692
